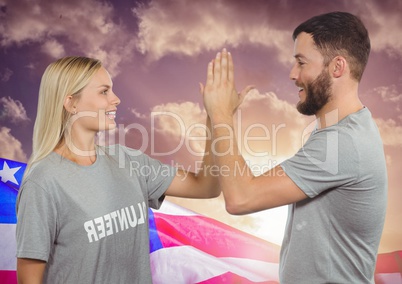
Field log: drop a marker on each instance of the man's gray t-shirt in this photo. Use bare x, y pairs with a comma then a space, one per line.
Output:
333, 236
90, 223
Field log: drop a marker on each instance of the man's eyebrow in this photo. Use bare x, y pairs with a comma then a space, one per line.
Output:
299, 56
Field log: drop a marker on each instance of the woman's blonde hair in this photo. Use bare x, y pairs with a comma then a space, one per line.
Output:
64, 77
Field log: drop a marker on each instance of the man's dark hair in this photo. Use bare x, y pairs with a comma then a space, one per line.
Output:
339, 33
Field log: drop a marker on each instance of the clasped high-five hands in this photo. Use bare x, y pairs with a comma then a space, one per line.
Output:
221, 99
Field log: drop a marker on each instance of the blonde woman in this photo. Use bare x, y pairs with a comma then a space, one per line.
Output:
82, 209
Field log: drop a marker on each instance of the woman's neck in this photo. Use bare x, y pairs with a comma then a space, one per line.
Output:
81, 156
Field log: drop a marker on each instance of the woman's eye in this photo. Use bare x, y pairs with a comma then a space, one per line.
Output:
104, 92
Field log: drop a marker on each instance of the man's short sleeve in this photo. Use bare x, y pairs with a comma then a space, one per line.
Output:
327, 160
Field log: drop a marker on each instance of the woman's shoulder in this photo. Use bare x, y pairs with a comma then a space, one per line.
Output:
42, 172
44, 165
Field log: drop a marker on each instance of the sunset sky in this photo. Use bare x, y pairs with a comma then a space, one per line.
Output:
157, 52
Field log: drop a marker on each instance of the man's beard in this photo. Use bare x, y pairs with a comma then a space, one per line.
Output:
318, 93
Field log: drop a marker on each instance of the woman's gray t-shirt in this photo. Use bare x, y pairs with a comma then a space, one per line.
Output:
90, 223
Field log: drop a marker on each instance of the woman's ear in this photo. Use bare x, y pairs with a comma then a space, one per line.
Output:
69, 106
339, 66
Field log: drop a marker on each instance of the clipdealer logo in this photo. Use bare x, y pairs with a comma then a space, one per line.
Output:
242, 136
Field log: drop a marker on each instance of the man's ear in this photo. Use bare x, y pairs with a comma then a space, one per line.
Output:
339, 66
69, 105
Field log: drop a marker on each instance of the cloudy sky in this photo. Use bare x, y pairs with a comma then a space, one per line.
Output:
157, 52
